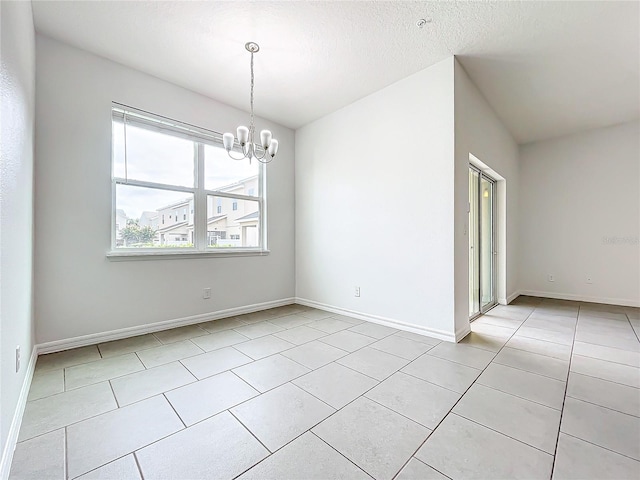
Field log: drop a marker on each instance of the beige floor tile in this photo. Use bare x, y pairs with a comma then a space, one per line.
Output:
555, 350
417, 470
335, 384
498, 331
451, 375
563, 338
580, 460
291, 321
54, 412
419, 338
483, 341
603, 427
46, 383
218, 340
169, 353
67, 358
401, 347
208, 397
264, 346
465, 355
128, 345
376, 439
534, 363
257, 330
148, 383
307, 454
219, 447
279, 416
101, 370
373, 363
422, 402
349, 341
263, 315
107, 437
615, 396
529, 422
314, 354
270, 372
125, 468
215, 326
530, 386
614, 372
374, 330
300, 335
316, 314
330, 325
348, 319
609, 354
623, 342
217, 361
463, 449
40, 458
181, 333
499, 320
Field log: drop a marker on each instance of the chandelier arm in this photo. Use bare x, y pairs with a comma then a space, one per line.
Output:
244, 157
263, 161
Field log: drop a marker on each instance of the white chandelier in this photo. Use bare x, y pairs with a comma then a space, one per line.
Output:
246, 136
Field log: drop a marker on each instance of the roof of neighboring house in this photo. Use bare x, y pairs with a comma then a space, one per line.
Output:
251, 216
224, 188
121, 212
172, 227
215, 218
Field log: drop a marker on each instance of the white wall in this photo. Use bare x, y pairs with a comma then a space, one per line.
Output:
17, 97
578, 193
479, 132
374, 204
78, 290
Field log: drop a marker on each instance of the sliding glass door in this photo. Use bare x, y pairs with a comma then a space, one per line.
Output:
482, 245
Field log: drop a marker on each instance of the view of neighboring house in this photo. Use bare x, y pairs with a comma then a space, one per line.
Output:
231, 222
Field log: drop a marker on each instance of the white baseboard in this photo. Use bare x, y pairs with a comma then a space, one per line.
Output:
16, 422
582, 298
94, 338
388, 322
512, 297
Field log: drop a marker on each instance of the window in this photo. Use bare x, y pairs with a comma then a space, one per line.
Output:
163, 167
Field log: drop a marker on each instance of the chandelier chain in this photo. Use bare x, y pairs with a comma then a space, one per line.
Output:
252, 82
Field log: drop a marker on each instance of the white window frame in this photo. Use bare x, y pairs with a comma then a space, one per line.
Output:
200, 137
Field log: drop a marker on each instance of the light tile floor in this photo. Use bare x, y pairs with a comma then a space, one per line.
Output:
540, 389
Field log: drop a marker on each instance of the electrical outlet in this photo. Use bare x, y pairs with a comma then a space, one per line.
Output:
589, 279
357, 291
206, 293
17, 358
551, 278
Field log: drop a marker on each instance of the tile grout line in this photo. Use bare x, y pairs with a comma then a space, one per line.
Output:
135, 459
605, 379
250, 433
631, 325
174, 411
604, 406
564, 398
502, 433
450, 411
600, 446
341, 454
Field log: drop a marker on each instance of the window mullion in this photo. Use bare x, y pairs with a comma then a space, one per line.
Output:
200, 218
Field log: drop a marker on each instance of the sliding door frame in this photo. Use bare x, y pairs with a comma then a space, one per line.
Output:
477, 248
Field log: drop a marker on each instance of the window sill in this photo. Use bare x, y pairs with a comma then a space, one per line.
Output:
132, 255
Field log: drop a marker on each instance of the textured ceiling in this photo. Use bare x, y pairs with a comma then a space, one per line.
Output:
547, 68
